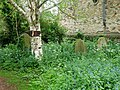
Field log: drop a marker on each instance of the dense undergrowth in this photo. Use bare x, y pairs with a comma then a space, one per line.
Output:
62, 69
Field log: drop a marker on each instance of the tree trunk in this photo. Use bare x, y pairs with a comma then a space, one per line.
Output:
31, 13
104, 15
36, 42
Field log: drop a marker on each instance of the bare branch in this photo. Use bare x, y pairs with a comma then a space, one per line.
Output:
60, 9
42, 3
29, 4
52, 6
17, 7
67, 14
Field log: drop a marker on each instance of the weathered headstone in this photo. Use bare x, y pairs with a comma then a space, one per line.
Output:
80, 46
26, 40
102, 42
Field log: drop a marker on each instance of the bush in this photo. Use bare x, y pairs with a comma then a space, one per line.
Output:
52, 31
12, 58
14, 24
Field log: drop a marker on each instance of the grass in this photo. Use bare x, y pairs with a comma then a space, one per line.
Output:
62, 69
12, 77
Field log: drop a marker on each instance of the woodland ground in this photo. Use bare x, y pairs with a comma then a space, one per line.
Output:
5, 86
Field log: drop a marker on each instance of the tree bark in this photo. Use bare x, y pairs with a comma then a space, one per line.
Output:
36, 42
32, 15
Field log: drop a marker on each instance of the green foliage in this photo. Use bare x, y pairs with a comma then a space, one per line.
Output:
79, 35
12, 58
62, 69
52, 31
15, 24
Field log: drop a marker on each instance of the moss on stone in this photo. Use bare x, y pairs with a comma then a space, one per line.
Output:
26, 40
102, 42
80, 46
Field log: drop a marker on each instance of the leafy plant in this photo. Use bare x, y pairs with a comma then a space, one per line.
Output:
13, 58
61, 68
14, 22
52, 31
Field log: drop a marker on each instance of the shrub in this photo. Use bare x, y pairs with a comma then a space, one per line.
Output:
12, 58
52, 31
15, 24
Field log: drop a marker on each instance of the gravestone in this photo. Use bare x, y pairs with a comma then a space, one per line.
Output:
102, 42
80, 46
26, 40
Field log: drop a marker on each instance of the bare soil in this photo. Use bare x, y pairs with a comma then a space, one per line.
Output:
5, 86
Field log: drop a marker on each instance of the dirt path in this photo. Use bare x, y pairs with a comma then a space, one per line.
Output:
5, 86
